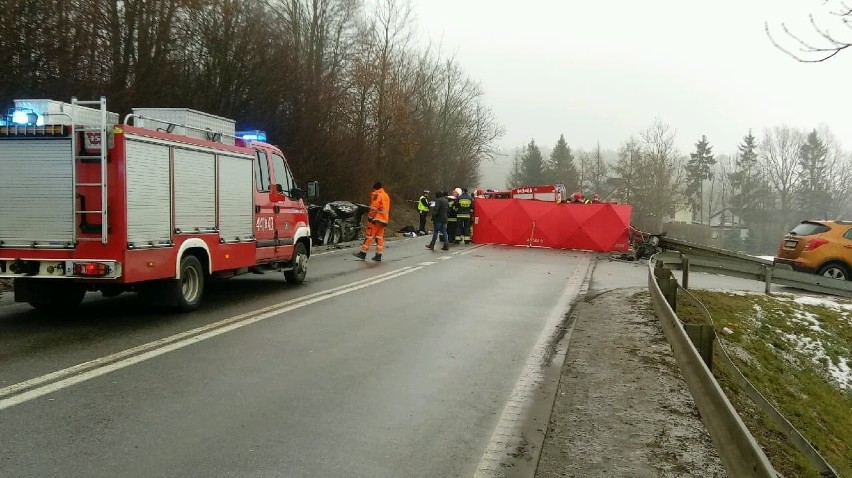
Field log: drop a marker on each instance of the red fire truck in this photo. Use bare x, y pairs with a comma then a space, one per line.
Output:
548, 192
155, 204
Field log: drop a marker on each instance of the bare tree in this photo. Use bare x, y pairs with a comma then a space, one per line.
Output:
391, 33
837, 180
665, 167
826, 45
719, 194
841, 186
779, 155
338, 84
597, 170
651, 170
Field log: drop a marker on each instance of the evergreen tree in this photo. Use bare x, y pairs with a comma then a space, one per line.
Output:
527, 167
752, 197
813, 198
560, 169
514, 178
746, 174
698, 169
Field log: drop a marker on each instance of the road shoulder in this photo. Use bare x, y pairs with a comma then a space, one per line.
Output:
622, 407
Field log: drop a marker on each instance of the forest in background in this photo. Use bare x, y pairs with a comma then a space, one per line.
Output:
340, 85
351, 96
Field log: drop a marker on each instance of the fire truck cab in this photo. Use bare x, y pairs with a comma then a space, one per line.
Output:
155, 204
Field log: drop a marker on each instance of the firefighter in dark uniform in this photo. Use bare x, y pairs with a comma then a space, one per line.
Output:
452, 219
464, 208
423, 209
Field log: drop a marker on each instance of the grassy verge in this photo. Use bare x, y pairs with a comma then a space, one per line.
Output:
798, 356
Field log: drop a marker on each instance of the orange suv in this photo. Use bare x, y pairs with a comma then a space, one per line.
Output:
821, 247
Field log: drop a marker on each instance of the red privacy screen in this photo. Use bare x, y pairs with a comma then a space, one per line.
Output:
520, 222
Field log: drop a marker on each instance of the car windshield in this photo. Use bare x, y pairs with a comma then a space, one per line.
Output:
808, 229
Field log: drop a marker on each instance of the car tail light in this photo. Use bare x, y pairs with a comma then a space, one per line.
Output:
91, 269
814, 243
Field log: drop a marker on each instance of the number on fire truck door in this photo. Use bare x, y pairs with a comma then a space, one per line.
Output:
264, 223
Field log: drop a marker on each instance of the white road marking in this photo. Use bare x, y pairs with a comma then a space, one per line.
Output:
24, 391
507, 439
468, 250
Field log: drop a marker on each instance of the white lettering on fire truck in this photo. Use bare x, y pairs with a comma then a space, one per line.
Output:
92, 140
265, 223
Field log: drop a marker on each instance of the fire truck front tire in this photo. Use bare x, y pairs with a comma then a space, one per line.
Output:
188, 290
297, 274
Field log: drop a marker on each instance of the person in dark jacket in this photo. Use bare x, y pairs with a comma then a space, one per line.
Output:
439, 208
452, 211
464, 209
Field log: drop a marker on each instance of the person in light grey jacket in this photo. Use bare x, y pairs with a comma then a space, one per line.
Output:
439, 208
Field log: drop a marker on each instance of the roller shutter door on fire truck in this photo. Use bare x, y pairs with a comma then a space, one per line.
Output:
149, 211
195, 191
36, 192
236, 198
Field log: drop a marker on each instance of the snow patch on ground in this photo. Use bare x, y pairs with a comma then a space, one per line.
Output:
813, 348
808, 344
809, 319
759, 315
827, 302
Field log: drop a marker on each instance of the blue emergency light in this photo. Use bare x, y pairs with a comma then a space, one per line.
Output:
255, 135
26, 117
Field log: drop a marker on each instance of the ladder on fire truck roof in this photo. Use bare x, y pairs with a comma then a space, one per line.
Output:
95, 135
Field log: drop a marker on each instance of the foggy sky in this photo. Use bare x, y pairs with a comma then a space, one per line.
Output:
600, 70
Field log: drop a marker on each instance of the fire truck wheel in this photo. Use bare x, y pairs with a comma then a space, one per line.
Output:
189, 289
297, 274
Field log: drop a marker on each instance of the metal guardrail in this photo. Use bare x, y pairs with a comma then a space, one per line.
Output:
700, 258
739, 451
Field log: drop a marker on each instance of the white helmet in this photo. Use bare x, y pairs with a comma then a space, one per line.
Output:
457, 192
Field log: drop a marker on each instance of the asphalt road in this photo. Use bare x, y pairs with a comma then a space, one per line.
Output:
399, 368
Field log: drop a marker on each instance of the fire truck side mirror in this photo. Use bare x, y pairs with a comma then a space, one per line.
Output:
313, 189
276, 194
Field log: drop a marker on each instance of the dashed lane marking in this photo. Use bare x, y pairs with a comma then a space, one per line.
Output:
49, 383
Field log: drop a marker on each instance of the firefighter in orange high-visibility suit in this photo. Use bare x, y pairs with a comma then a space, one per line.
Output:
377, 219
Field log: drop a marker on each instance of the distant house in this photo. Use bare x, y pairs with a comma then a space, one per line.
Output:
725, 229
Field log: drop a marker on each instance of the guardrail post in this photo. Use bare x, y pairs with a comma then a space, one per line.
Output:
685, 272
702, 337
668, 284
767, 275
